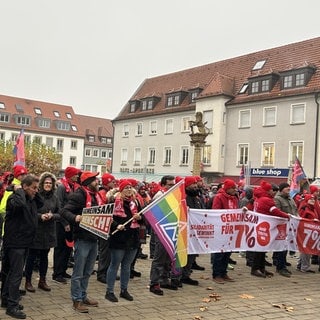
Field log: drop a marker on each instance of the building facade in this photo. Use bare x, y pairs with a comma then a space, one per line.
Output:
261, 110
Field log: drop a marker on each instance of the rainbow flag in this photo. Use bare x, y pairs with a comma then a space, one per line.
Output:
167, 216
18, 150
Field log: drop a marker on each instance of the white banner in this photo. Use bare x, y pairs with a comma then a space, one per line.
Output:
234, 230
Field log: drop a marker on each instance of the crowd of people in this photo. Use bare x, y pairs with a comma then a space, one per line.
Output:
40, 213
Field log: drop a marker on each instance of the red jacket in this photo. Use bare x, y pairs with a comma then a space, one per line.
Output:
223, 200
264, 203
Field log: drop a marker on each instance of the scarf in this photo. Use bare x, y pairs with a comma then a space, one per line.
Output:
119, 210
67, 184
89, 195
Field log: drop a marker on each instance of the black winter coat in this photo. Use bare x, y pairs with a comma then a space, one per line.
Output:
21, 220
74, 206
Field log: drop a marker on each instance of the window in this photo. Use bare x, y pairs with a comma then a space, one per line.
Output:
244, 88
208, 119
56, 114
2, 136
2, 106
206, 155
37, 111
74, 128
267, 154
265, 85
144, 105
22, 120
152, 156
61, 125
153, 127
139, 129
37, 139
170, 101
59, 145
259, 65
168, 126
297, 113
132, 107
243, 154
185, 126
176, 100
126, 130
255, 87
104, 140
124, 157
269, 116
44, 123
73, 161
27, 138
184, 155
296, 150
300, 79
244, 118
150, 105
137, 156
4, 117
194, 95
287, 81
167, 155
74, 144
19, 108
91, 139
95, 153
104, 154
109, 140
14, 137
87, 152
49, 142
68, 115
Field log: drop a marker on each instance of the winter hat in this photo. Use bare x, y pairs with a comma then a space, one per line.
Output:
123, 184
178, 178
69, 172
132, 181
198, 178
265, 186
188, 181
107, 178
87, 177
229, 184
313, 189
19, 170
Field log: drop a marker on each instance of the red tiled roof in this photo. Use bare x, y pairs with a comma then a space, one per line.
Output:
228, 76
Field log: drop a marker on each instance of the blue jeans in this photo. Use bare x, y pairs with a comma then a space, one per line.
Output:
219, 263
125, 257
85, 254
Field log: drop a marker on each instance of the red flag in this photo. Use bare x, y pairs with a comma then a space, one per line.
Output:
18, 150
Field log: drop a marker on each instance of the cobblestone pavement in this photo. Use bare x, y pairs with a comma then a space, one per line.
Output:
248, 297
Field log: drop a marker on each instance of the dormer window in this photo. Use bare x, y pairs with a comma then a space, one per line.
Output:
23, 120
56, 114
149, 103
91, 138
193, 94
74, 128
296, 78
68, 115
261, 84
134, 105
244, 88
2, 106
176, 98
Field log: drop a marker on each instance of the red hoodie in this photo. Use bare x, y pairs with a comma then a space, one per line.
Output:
264, 203
223, 200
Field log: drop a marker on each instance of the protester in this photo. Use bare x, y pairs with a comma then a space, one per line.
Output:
226, 198
86, 243
19, 231
46, 232
108, 187
161, 263
265, 204
124, 240
62, 251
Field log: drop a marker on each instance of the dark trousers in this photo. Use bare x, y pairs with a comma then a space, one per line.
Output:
43, 262
14, 259
186, 270
104, 259
258, 261
61, 252
279, 259
219, 263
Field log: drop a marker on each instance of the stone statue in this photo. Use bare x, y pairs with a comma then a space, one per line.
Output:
199, 123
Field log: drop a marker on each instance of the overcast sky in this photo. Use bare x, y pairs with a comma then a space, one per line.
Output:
92, 55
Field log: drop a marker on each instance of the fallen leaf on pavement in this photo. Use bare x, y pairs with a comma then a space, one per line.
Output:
209, 288
197, 318
308, 299
246, 296
203, 308
206, 300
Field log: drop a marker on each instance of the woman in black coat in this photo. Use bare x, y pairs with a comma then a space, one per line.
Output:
46, 232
